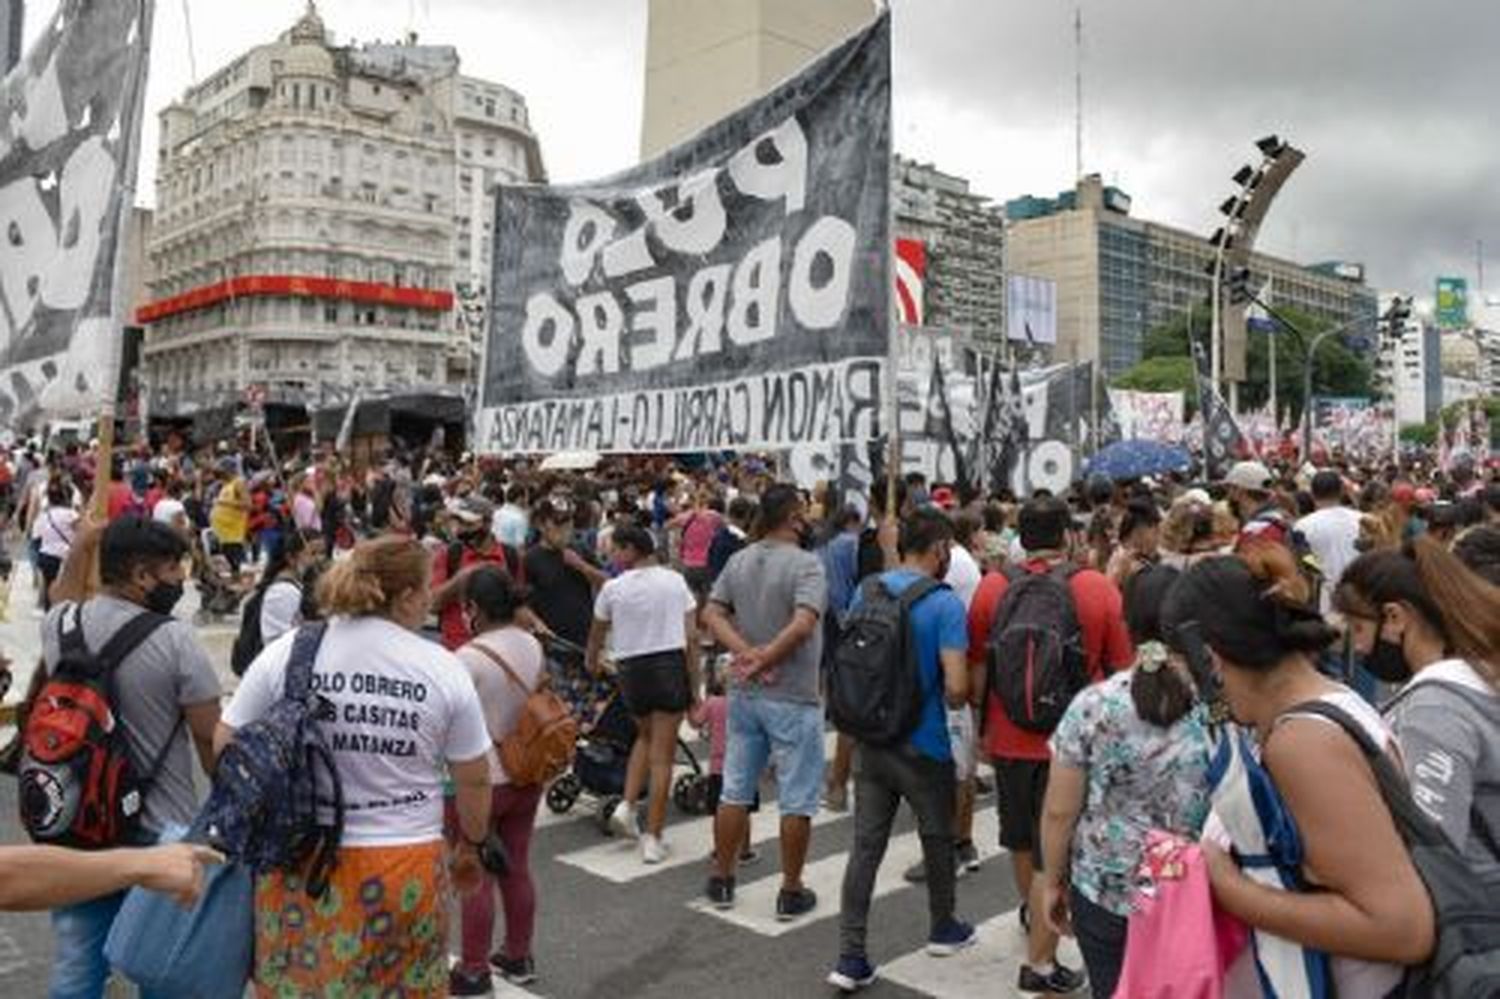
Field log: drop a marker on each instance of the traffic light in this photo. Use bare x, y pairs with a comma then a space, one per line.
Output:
1237, 283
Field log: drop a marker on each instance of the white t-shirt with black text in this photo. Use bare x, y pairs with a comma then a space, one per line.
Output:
405, 707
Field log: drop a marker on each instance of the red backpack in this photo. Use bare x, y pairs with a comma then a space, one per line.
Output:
78, 785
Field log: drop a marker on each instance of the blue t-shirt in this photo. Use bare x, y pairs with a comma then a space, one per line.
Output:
841, 566
938, 622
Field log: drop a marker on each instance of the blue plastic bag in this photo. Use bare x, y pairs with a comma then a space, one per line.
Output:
202, 953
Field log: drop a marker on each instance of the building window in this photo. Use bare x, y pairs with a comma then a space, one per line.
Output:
330, 312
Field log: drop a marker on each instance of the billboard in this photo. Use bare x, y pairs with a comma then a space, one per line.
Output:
1030, 309
1452, 311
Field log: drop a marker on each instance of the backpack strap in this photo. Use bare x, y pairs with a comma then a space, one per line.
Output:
299, 666
1411, 822
917, 590
499, 660
126, 639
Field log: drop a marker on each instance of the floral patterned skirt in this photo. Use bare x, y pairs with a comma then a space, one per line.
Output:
380, 931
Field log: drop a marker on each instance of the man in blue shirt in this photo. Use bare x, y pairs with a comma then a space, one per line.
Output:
919, 771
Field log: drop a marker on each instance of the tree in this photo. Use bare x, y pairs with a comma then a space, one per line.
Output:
1161, 374
1339, 371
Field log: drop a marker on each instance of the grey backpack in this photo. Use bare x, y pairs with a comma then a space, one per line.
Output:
1465, 962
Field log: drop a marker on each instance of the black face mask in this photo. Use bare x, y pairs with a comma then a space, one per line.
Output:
162, 597
1386, 662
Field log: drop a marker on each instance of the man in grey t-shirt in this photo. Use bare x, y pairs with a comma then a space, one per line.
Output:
765, 608
167, 698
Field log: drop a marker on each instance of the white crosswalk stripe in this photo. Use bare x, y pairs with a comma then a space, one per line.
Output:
987, 969
502, 988
689, 842
587, 806
755, 901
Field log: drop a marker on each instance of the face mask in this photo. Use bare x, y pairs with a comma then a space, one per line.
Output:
162, 597
1386, 662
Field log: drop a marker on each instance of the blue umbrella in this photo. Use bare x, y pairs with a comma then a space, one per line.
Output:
1136, 458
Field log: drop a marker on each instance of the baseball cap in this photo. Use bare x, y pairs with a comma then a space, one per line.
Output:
1249, 475
1404, 493
943, 497
474, 510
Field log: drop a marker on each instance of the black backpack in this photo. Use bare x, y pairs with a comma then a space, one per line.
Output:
1465, 962
249, 642
271, 778
875, 690
1036, 658
78, 784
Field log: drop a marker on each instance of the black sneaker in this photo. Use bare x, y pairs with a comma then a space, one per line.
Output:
791, 903
721, 892
1061, 981
520, 971
470, 983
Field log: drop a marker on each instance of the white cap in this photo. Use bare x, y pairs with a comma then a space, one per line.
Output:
1249, 475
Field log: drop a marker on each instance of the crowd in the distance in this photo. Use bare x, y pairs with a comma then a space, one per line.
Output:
1209, 640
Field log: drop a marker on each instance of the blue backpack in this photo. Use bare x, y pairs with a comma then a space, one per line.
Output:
269, 782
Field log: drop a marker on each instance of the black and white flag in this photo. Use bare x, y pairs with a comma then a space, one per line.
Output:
1222, 439
70, 115
732, 293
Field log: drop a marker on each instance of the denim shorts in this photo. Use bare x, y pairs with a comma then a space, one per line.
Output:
785, 733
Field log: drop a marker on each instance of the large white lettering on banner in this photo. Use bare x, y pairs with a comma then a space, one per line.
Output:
732, 293
69, 132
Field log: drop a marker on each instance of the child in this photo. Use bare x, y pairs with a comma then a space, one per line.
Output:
712, 714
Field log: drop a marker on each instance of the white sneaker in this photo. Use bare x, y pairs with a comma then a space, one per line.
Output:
622, 821
653, 850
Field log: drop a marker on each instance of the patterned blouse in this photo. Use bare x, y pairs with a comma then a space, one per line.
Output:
1139, 777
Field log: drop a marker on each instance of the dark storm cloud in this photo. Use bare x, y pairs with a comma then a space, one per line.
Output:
1393, 101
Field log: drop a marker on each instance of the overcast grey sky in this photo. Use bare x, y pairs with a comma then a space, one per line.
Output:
1395, 101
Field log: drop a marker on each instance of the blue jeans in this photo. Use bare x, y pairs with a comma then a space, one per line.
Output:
761, 730
79, 969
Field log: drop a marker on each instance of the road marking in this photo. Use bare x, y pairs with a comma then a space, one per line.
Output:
503, 989
755, 901
688, 842
619, 860
988, 968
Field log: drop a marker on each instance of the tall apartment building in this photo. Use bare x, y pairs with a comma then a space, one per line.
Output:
1417, 372
704, 59
317, 207
1119, 276
964, 235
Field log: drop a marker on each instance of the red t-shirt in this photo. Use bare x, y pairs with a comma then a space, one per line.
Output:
119, 499
1106, 646
451, 618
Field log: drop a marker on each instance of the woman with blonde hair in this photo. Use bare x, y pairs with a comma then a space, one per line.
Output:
401, 708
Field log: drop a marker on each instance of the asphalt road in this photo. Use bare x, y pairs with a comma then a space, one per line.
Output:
609, 926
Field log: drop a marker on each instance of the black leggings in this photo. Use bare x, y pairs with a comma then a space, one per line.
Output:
1101, 938
48, 566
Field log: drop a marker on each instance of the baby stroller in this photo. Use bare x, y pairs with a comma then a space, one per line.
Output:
606, 733
220, 588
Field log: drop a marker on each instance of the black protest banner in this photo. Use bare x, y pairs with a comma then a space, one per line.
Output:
732, 293
1222, 439
69, 141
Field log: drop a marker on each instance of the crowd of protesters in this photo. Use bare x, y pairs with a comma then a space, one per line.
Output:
715, 592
